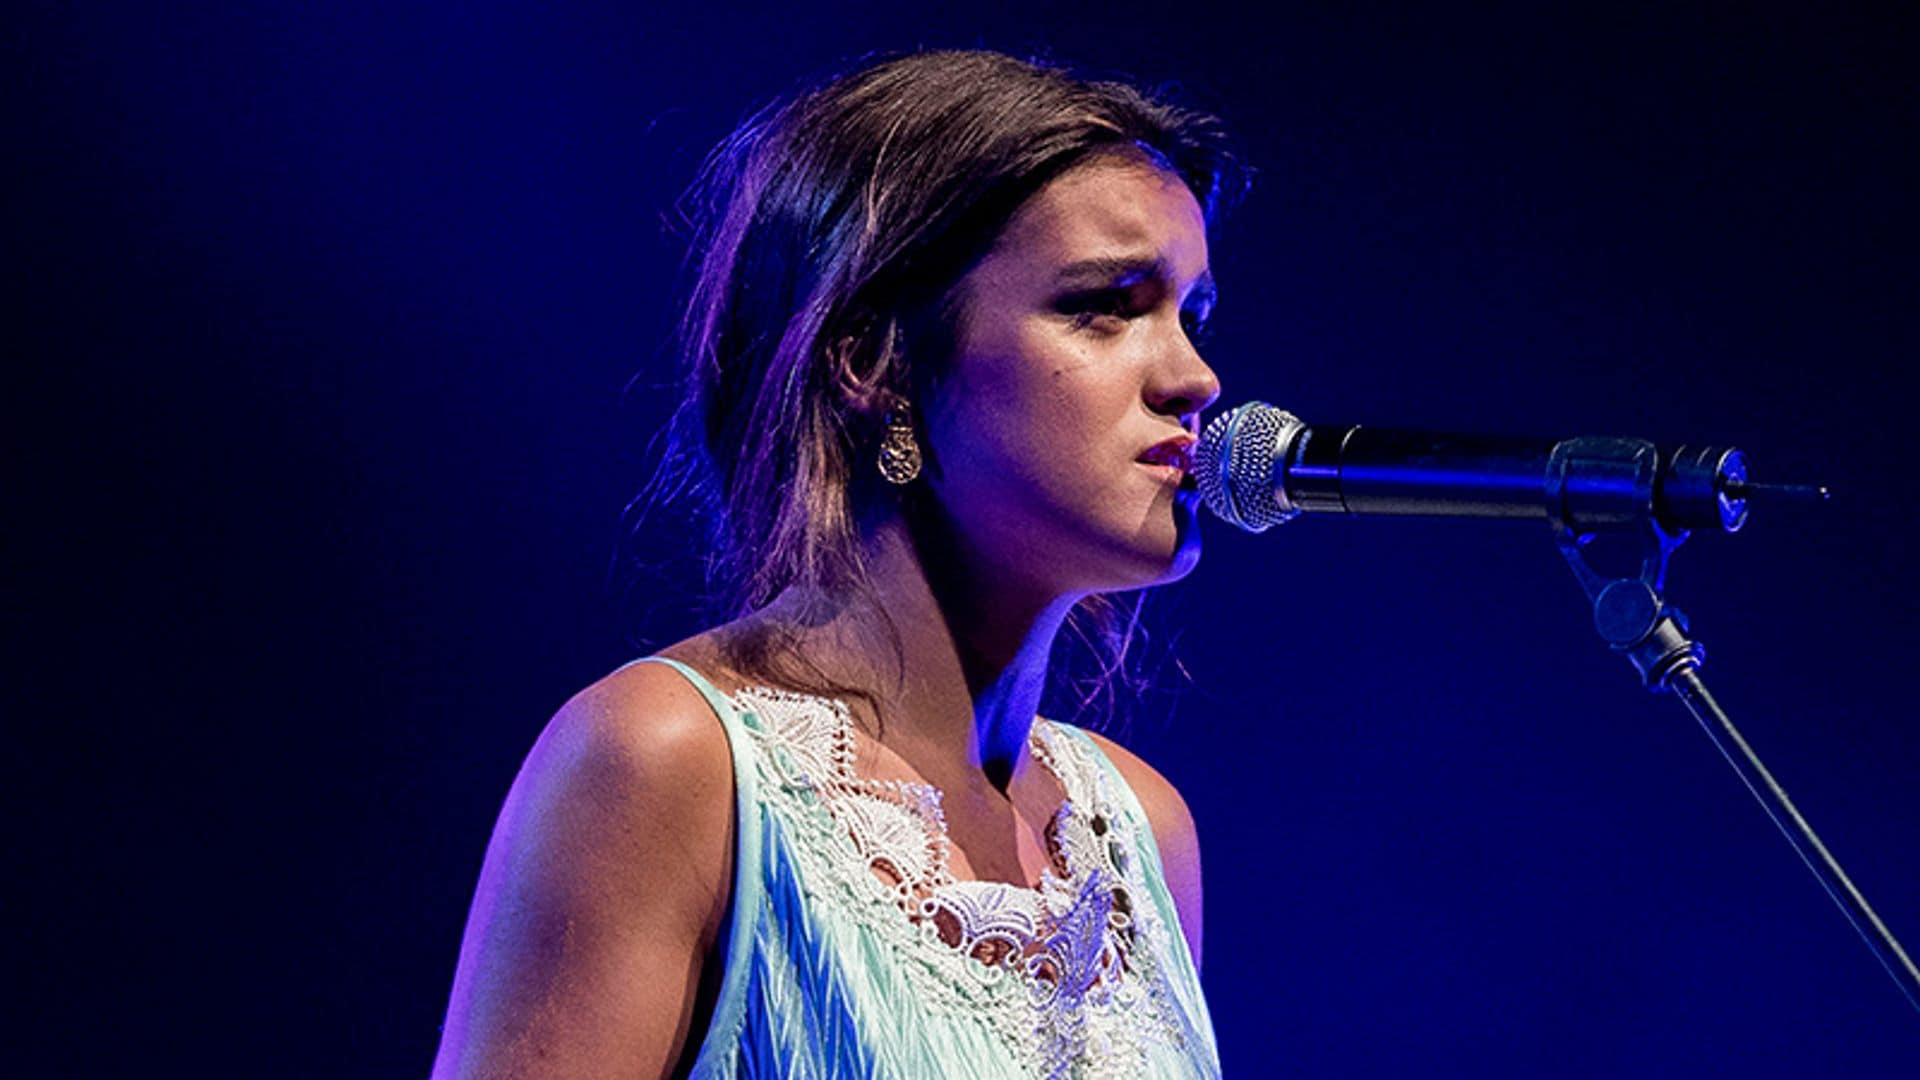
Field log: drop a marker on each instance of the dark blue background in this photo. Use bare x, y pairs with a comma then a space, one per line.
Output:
322, 317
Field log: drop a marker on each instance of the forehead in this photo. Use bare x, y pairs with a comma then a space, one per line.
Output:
1110, 208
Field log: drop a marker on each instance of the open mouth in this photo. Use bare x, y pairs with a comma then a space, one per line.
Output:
1172, 459
1175, 453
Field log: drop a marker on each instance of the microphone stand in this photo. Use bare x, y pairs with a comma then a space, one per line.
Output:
1598, 484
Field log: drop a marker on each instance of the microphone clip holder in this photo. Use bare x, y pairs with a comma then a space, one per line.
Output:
1607, 484
1598, 486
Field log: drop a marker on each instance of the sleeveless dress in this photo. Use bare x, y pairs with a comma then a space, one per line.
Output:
853, 952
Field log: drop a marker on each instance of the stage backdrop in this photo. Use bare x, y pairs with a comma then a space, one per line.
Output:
340, 333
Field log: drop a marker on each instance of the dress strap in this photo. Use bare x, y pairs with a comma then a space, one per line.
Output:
721, 704
1145, 841
1122, 791
749, 894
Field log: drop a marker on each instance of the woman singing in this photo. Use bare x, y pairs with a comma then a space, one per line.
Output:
941, 385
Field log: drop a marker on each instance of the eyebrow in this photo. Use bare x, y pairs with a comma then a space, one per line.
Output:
1124, 270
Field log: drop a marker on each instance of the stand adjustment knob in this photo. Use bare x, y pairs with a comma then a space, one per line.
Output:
1624, 613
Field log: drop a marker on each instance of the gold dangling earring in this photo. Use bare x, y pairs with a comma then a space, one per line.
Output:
899, 450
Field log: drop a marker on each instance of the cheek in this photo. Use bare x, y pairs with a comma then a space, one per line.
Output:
1034, 401
1001, 398
1047, 442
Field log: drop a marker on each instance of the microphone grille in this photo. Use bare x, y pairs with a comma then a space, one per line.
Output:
1236, 465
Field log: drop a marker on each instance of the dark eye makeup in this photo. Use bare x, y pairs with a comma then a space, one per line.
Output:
1086, 308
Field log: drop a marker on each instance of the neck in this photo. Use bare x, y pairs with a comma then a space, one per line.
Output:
954, 665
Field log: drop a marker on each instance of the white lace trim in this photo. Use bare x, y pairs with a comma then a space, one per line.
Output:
1066, 975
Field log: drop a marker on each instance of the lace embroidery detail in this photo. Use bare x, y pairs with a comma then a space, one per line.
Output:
1056, 972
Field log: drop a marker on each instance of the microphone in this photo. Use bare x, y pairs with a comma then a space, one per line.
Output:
1257, 466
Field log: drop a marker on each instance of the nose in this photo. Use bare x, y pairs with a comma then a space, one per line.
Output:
1182, 384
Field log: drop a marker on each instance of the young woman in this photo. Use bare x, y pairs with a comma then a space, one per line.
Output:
942, 387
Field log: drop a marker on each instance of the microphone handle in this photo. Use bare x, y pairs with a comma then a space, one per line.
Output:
1368, 470
1587, 483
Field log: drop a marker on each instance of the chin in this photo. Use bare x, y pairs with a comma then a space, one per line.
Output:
1186, 522
1176, 556
1185, 557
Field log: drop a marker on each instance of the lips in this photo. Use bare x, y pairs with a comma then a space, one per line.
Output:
1176, 453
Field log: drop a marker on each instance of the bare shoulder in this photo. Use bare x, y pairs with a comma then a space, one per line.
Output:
633, 764
1173, 833
603, 892
641, 741
645, 719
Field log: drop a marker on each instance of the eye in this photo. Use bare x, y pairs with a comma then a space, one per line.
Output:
1098, 308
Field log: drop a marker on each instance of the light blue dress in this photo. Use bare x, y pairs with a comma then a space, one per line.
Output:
853, 952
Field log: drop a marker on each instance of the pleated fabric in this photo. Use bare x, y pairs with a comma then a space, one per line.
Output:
828, 975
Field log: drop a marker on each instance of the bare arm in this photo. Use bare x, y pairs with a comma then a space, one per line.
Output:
604, 888
1173, 832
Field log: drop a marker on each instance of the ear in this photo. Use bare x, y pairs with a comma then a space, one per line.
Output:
866, 365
